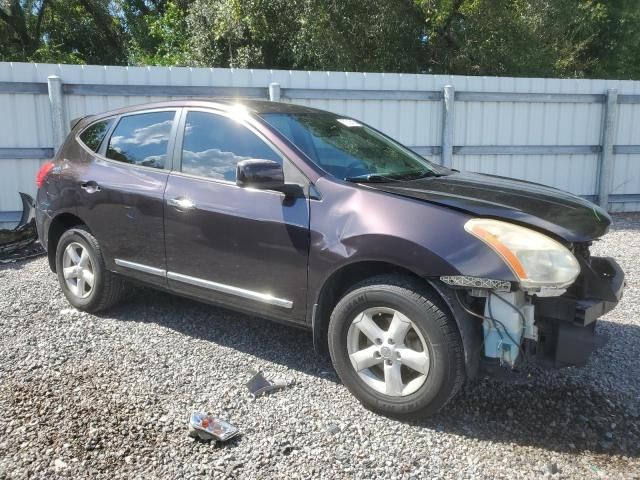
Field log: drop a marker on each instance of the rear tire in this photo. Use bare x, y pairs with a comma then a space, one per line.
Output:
85, 280
396, 348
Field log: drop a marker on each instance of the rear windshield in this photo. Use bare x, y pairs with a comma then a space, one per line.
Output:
347, 148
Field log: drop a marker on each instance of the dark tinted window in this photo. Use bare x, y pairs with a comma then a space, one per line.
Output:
141, 139
92, 137
214, 144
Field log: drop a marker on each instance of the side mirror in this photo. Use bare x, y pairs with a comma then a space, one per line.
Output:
261, 174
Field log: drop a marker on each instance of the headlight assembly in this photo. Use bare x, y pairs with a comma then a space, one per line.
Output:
537, 260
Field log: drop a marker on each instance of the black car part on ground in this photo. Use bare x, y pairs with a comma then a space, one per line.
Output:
20, 242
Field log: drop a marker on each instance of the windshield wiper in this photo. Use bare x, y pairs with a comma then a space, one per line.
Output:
418, 175
370, 178
377, 178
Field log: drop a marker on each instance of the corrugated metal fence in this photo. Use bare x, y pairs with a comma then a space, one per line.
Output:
577, 135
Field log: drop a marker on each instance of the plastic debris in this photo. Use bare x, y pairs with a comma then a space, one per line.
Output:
20, 242
259, 384
208, 428
24, 253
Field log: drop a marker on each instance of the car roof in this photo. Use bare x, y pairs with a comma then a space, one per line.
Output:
257, 107
264, 106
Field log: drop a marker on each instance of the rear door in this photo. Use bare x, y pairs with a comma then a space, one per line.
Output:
121, 189
240, 247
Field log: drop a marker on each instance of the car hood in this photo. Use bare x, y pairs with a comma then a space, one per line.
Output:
545, 208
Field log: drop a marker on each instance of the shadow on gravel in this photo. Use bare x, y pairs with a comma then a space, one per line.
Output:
550, 412
563, 418
270, 341
18, 265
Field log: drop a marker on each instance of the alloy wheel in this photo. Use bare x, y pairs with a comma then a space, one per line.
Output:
78, 270
388, 351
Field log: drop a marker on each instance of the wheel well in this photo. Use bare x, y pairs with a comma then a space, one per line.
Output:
59, 225
339, 282
335, 288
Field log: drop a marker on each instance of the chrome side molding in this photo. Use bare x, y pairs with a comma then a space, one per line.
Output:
142, 268
240, 292
200, 282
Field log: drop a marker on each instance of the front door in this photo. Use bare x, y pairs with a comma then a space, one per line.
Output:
121, 189
244, 248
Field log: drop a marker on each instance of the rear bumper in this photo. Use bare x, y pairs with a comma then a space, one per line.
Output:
566, 324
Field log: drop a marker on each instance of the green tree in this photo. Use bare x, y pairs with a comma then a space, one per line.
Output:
73, 31
378, 35
158, 33
616, 48
566, 38
21, 27
341, 35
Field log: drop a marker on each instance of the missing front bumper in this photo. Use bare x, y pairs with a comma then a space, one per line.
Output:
567, 324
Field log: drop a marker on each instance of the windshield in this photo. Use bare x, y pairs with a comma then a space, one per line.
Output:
349, 149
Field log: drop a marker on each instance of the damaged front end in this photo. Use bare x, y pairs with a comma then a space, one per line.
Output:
552, 327
566, 324
549, 315
21, 241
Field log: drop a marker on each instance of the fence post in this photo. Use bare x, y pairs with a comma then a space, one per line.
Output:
54, 84
274, 92
609, 128
448, 101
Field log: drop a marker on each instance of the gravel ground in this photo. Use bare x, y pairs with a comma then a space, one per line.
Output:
109, 397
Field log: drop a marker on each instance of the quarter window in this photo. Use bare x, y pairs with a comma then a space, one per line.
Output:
214, 144
142, 139
92, 137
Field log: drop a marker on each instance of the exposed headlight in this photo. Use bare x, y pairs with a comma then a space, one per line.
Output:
537, 260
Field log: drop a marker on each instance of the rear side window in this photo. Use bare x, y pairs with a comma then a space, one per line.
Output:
214, 144
141, 139
92, 137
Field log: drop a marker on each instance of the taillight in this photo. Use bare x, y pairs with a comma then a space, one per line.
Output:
43, 172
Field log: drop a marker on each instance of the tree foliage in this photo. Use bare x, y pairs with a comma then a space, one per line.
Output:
74, 31
566, 38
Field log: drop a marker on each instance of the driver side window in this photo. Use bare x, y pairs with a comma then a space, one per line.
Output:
214, 144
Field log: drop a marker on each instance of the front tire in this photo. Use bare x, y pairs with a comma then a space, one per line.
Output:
396, 348
85, 280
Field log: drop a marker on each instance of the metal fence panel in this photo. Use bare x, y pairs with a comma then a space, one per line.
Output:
543, 130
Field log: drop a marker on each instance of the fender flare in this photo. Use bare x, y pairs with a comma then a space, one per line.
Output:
470, 328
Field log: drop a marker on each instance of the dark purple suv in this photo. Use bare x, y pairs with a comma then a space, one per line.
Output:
413, 275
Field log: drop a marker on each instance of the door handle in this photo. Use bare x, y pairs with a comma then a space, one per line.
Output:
90, 186
181, 203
